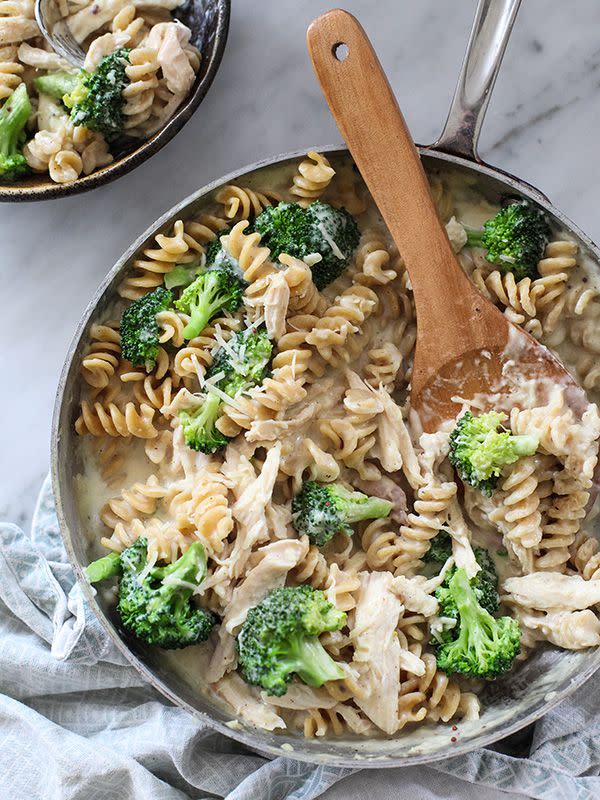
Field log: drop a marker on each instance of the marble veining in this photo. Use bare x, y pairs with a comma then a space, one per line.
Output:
542, 125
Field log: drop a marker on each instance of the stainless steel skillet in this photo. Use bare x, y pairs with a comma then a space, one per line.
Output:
508, 705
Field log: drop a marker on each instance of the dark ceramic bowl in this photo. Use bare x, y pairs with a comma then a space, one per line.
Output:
209, 22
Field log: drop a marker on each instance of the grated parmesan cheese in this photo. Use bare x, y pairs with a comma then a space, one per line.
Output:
312, 258
334, 248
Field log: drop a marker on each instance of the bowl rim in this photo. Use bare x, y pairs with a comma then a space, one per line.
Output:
149, 147
251, 737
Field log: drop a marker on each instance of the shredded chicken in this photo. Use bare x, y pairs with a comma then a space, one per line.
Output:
270, 430
41, 59
414, 597
249, 512
573, 630
246, 702
395, 447
275, 301
462, 551
103, 46
14, 30
169, 39
456, 234
377, 649
552, 590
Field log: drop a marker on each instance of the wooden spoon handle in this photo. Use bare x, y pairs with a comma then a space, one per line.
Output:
367, 114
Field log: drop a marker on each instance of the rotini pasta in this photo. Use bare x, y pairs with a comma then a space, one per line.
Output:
210, 443
159, 68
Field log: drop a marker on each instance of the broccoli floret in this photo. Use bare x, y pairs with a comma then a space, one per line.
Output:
514, 239
485, 647
244, 362
481, 446
199, 430
440, 549
214, 290
156, 606
280, 638
97, 100
242, 365
13, 117
320, 510
140, 330
320, 228
57, 84
484, 584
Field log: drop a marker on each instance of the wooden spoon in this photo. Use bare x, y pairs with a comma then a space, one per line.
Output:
465, 345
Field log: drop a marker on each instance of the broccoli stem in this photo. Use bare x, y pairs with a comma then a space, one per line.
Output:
57, 84
208, 303
474, 237
190, 567
13, 116
103, 568
356, 506
309, 659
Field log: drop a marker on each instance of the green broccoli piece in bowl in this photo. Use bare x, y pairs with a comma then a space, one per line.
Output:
240, 365
58, 84
199, 425
320, 510
13, 118
140, 330
484, 647
440, 549
319, 228
155, 605
480, 446
96, 101
484, 584
280, 638
515, 239
213, 291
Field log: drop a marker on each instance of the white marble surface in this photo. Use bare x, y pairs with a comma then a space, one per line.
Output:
543, 124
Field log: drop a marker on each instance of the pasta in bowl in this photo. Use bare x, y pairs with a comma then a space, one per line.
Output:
239, 401
147, 68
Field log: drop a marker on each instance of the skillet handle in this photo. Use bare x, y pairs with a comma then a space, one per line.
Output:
493, 24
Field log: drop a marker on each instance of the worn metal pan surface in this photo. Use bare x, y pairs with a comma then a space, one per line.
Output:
535, 686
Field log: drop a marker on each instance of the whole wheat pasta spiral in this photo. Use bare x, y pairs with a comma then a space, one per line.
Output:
179, 248
11, 71
430, 508
245, 248
341, 320
131, 420
314, 175
140, 499
165, 541
353, 436
372, 258
384, 366
103, 354
585, 556
381, 545
241, 203
139, 92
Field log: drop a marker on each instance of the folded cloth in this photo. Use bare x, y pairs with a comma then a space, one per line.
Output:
77, 722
